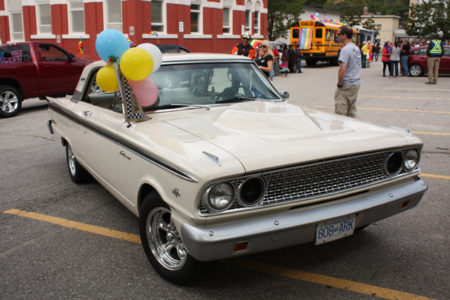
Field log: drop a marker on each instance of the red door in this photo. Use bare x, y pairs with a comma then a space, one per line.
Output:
58, 70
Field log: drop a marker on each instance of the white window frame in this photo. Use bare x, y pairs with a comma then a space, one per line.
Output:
230, 21
69, 12
248, 22
257, 19
200, 17
39, 4
112, 25
163, 17
11, 33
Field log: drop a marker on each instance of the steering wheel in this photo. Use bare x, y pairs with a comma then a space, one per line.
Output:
233, 92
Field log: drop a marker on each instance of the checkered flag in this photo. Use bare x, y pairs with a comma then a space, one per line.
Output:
132, 109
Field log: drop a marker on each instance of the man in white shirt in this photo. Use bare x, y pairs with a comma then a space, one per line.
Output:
348, 76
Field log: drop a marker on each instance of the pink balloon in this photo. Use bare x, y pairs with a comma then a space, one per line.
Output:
145, 90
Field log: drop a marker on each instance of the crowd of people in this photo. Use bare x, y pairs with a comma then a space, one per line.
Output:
271, 61
351, 60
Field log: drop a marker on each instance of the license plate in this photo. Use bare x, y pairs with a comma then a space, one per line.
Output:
335, 229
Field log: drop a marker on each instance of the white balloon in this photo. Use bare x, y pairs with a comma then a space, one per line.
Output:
155, 53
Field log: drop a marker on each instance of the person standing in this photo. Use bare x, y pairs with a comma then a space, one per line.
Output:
265, 58
276, 61
349, 74
376, 51
244, 48
406, 48
299, 59
284, 60
385, 55
434, 53
395, 59
364, 51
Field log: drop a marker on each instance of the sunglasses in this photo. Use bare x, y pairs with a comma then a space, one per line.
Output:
262, 46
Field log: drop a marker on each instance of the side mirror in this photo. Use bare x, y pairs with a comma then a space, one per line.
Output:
284, 95
71, 58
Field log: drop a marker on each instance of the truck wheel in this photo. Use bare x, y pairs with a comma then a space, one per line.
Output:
163, 245
77, 173
310, 62
334, 62
10, 101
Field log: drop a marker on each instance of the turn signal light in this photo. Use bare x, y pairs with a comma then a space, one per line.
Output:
241, 246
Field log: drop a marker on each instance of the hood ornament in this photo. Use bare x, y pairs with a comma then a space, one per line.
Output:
213, 158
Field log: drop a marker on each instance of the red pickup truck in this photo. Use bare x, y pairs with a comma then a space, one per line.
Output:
35, 69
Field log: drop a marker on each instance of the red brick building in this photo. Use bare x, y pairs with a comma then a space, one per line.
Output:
199, 25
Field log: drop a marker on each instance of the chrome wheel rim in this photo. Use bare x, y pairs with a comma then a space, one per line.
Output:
415, 70
164, 240
72, 161
9, 102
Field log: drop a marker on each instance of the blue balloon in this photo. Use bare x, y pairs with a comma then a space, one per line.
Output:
111, 43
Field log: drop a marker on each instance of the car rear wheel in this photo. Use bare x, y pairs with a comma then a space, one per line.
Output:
10, 101
77, 173
416, 70
163, 245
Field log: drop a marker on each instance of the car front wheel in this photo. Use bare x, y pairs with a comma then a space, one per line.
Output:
10, 101
163, 245
415, 70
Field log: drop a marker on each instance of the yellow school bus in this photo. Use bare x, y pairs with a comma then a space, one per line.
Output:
318, 41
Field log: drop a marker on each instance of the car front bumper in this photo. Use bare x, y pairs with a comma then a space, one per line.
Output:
298, 226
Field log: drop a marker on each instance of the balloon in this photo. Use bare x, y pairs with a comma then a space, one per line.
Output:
107, 79
145, 90
111, 43
155, 53
317, 14
312, 16
136, 64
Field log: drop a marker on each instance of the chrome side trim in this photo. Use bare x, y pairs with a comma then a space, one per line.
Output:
112, 137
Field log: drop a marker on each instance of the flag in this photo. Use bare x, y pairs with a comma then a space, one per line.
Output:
80, 47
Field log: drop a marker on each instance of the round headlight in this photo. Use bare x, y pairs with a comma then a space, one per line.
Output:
394, 164
219, 196
411, 159
251, 191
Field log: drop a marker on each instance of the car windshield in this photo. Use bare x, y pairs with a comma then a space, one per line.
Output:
199, 84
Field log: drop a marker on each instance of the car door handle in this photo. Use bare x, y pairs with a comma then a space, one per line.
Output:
87, 113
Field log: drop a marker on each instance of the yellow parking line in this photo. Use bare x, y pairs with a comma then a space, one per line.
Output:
430, 133
435, 176
339, 283
324, 280
77, 225
402, 97
411, 89
391, 109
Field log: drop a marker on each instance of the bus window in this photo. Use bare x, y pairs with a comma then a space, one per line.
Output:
336, 37
295, 33
319, 33
328, 36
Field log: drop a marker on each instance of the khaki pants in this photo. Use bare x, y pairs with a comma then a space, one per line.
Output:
433, 69
345, 100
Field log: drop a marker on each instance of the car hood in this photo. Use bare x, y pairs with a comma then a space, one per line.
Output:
264, 135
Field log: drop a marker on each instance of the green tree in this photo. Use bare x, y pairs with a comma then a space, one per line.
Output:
281, 15
369, 24
430, 18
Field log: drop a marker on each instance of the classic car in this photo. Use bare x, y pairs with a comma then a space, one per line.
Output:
418, 61
222, 165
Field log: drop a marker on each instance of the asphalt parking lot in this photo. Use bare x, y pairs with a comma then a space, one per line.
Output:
62, 240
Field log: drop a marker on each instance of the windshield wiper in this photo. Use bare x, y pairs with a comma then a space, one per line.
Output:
175, 105
236, 99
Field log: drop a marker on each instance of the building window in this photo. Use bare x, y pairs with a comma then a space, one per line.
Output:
44, 18
76, 16
157, 15
16, 27
248, 20
226, 20
195, 18
256, 22
113, 14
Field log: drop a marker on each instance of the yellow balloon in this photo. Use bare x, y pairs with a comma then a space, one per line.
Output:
136, 64
107, 79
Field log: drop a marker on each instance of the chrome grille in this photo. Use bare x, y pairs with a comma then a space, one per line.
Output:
308, 181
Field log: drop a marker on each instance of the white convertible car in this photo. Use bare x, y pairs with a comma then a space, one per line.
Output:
222, 165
